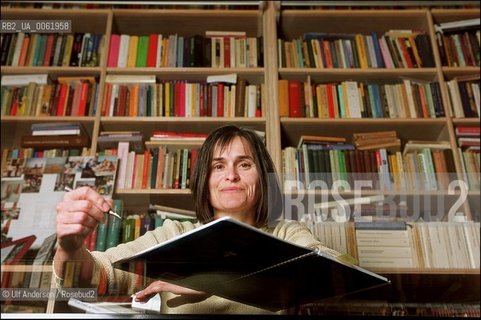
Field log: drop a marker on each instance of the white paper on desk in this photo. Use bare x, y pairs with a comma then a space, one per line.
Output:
150, 306
37, 212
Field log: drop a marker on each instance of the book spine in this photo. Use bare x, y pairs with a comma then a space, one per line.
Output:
54, 142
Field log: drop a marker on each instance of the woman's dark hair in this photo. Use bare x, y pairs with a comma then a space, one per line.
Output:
269, 198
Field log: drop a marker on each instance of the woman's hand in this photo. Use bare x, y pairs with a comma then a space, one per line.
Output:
78, 215
186, 295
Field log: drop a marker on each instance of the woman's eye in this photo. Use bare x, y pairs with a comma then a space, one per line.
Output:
245, 165
217, 166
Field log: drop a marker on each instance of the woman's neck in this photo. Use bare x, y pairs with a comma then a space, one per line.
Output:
240, 216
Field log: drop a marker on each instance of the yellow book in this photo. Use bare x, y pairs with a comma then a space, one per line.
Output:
68, 51
362, 51
22, 107
165, 53
31, 49
394, 171
132, 56
167, 99
283, 97
193, 99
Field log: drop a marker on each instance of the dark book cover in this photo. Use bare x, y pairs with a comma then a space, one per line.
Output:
423, 44
7, 39
76, 48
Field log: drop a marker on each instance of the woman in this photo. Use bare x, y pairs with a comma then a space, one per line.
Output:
234, 176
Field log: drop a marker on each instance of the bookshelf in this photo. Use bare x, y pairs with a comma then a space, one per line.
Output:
271, 22
293, 23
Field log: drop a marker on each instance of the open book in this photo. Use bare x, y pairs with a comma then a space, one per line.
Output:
233, 260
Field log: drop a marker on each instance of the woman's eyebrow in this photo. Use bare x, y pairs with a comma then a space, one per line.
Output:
243, 157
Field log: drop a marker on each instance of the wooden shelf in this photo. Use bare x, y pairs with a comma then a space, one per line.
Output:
270, 23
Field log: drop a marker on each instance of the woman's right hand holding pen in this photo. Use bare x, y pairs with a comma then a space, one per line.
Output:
78, 214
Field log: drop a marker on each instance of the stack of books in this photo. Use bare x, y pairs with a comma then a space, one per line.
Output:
377, 140
111, 139
384, 244
468, 147
56, 135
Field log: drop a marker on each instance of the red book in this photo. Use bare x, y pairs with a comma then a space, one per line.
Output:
62, 99
48, 50
468, 131
220, 99
15, 101
82, 106
182, 104
113, 57
327, 53
24, 50
227, 49
404, 51
295, 99
152, 50
330, 100
145, 172
106, 102
122, 101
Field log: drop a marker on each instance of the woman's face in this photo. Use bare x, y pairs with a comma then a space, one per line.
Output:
233, 182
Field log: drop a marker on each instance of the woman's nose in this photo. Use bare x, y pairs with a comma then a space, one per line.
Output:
232, 174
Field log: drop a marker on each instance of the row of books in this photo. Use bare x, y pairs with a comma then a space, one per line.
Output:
389, 309
183, 99
459, 48
119, 5
464, 96
65, 96
354, 99
395, 49
59, 50
162, 168
384, 169
421, 166
468, 139
397, 244
25, 153
217, 49
115, 231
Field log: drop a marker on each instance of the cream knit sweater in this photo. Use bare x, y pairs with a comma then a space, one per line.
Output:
120, 282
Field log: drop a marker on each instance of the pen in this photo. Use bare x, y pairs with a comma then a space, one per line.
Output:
115, 214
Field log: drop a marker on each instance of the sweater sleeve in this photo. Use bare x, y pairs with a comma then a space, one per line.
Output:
297, 233
121, 282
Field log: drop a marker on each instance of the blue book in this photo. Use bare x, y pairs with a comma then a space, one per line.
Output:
377, 50
377, 101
